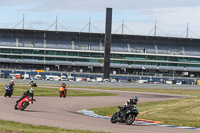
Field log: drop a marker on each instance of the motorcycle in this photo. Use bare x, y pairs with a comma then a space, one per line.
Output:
8, 91
126, 115
63, 92
23, 103
32, 84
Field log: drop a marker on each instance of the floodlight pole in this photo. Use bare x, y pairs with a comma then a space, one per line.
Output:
187, 31
23, 22
122, 27
56, 23
155, 29
89, 27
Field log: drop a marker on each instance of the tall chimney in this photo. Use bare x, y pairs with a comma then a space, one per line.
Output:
107, 43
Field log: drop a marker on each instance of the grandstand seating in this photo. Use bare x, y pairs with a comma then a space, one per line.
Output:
87, 45
142, 48
192, 50
7, 41
30, 42
95, 46
170, 49
119, 47
58, 44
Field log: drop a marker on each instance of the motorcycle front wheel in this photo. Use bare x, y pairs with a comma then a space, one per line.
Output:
6, 93
10, 93
16, 106
114, 117
130, 119
24, 105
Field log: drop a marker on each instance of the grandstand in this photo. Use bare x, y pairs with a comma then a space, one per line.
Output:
84, 52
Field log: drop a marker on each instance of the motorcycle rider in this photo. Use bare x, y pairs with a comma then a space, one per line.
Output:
129, 103
12, 84
63, 84
8, 88
28, 93
32, 82
132, 101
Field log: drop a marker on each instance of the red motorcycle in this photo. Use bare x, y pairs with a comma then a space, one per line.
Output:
23, 103
63, 91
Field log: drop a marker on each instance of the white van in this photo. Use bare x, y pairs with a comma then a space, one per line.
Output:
142, 81
79, 79
99, 79
63, 78
70, 78
26, 76
38, 77
50, 77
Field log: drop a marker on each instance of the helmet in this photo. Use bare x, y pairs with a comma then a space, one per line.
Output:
12, 81
135, 99
63, 84
31, 90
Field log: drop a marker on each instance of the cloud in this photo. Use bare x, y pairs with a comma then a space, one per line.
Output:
99, 5
171, 16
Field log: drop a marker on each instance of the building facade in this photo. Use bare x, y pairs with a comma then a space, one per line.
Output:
84, 52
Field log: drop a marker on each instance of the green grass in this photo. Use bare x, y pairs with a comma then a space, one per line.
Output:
169, 91
16, 127
180, 112
9, 126
42, 91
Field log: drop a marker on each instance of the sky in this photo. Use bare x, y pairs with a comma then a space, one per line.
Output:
138, 16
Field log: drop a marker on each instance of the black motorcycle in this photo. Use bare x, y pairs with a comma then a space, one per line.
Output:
32, 84
125, 115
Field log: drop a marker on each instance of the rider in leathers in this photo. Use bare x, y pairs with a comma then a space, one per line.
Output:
129, 103
28, 93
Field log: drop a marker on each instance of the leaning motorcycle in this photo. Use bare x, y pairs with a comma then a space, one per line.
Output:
8, 91
33, 84
127, 115
23, 103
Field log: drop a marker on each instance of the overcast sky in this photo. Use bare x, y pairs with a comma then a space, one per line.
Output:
171, 16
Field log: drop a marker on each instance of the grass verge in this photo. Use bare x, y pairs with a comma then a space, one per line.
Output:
180, 112
41, 91
16, 127
10, 126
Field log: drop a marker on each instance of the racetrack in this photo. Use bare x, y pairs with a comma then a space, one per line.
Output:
59, 112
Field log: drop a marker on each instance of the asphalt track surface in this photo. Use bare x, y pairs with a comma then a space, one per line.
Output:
60, 112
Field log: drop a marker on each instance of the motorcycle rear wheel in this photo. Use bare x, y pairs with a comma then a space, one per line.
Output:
114, 117
130, 119
64, 94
